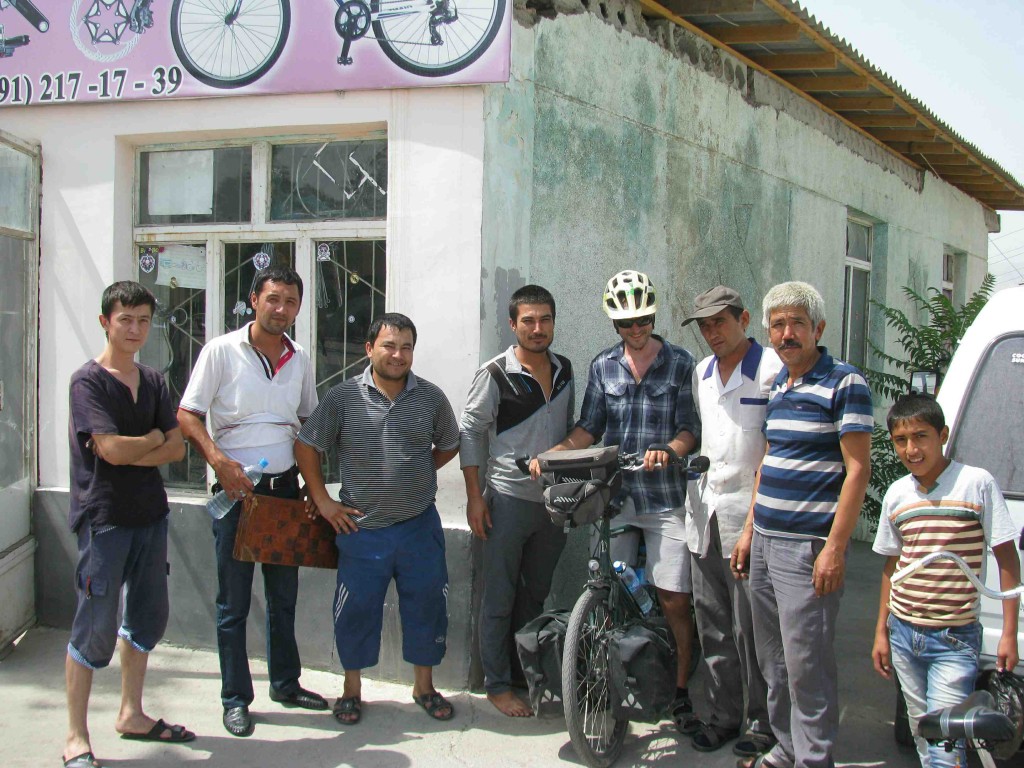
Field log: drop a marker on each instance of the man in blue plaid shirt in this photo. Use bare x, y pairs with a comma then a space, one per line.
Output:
639, 394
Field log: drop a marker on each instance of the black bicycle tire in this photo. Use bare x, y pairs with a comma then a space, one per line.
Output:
218, 82
457, 66
579, 621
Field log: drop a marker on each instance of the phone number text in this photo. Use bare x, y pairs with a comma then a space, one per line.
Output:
66, 87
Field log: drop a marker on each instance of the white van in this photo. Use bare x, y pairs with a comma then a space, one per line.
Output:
982, 397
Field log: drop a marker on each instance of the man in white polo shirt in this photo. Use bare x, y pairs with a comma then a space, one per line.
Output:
730, 389
255, 387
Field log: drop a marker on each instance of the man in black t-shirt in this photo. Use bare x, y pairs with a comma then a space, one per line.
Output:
122, 427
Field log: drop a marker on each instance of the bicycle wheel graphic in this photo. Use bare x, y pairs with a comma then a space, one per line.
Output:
229, 43
439, 43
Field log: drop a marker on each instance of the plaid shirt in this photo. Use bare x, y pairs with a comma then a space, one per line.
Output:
634, 415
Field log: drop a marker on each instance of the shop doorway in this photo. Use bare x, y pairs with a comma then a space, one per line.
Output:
19, 263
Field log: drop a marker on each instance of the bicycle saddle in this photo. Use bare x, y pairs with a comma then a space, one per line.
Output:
973, 718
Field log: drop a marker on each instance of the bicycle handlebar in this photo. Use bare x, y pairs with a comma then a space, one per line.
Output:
631, 462
931, 557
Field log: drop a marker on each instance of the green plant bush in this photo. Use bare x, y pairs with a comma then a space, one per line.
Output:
926, 347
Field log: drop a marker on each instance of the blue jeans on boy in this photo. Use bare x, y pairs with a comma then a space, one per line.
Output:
937, 667
234, 596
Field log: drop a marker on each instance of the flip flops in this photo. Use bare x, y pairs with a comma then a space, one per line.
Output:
178, 734
433, 703
84, 760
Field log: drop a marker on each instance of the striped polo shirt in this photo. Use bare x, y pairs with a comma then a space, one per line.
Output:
803, 471
963, 513
384, 448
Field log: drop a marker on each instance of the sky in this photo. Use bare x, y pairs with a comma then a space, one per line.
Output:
965, 62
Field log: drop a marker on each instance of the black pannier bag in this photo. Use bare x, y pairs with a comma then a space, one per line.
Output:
579, 484
642, 663
539, 644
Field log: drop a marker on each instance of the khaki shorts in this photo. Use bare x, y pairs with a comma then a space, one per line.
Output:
668, 557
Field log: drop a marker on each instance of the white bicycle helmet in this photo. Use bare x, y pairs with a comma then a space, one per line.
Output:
629, 294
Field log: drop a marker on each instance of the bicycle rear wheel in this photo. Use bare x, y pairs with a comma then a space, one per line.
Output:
464, 29
596, 735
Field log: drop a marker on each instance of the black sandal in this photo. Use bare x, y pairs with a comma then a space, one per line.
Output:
761, 761
685, 718
710, 737
433, 703
348, 711
754, 743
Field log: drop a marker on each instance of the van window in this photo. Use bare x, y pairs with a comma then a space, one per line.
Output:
991, 424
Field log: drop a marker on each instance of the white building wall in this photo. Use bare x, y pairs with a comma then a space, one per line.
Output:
435, 151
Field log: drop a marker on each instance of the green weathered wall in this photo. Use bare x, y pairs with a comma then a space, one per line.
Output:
619, 144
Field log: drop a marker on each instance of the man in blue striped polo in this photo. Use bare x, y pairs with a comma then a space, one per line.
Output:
391, 432
807, 498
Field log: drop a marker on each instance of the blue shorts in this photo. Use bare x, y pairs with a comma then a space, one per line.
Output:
411, 553
110, 557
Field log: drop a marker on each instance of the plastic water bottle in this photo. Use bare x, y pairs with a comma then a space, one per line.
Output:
221, 503
636, 589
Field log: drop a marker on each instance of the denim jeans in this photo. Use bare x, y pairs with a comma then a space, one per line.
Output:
937, 667
234, 595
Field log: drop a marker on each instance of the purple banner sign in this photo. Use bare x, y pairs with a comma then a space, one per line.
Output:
69, 51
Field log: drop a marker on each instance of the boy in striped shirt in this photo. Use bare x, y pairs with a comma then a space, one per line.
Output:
928, 629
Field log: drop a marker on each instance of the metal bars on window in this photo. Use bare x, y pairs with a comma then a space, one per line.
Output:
350, 280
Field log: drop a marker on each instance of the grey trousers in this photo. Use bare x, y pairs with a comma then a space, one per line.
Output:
520, 554
794, 632
726, 629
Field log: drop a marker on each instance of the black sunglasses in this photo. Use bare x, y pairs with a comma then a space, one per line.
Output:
643, 322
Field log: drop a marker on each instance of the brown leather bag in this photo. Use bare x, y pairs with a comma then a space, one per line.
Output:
278, 531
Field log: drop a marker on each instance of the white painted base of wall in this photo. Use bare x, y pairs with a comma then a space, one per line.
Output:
17, 590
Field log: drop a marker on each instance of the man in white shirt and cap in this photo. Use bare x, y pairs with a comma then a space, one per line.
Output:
730, 388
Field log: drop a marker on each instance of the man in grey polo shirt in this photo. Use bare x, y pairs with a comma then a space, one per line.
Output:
520, 403
391, 431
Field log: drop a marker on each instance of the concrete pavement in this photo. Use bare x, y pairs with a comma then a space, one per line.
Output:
183, 685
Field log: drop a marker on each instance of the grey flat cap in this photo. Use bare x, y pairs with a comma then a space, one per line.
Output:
714, 301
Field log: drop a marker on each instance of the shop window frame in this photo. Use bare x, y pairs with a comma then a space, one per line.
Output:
305, 235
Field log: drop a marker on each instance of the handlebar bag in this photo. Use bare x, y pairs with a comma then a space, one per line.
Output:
582, 464
580, 502
539, 644
639, 657
579, 484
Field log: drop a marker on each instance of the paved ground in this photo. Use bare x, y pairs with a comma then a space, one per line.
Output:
183, 687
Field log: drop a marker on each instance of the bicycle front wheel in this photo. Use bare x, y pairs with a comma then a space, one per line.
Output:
597, 736
447, 40
229, 43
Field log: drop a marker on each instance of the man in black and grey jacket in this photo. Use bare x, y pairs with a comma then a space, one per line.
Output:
520, 404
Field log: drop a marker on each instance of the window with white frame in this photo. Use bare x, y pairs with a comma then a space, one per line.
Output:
951, 261
209, 216
857, 291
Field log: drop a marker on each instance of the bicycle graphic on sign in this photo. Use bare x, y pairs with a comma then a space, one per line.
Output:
233, 43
